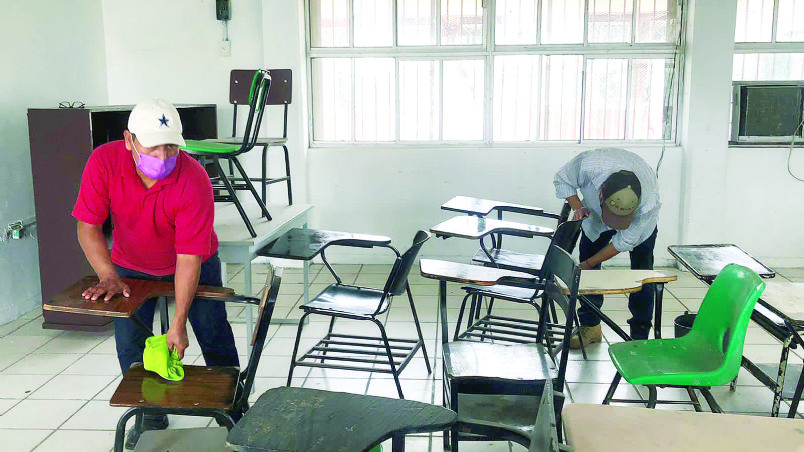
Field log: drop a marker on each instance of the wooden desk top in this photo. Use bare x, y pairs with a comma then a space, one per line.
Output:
70, 299
619, 281
305, 244
706, 261
469, 227
606, 428
310, 420
469, 274
785, 299
482, 207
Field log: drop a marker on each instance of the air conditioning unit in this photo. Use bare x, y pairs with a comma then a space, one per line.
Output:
767, 112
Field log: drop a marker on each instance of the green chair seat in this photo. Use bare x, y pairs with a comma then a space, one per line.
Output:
709, 355
673, 362
199, 147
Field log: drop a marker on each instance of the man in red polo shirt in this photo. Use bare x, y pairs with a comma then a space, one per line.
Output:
162, 209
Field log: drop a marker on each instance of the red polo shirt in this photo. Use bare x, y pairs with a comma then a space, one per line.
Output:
151, 226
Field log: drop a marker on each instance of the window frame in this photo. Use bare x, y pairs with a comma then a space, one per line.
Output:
487, 50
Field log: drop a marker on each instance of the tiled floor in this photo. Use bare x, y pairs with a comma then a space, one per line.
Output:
55, 385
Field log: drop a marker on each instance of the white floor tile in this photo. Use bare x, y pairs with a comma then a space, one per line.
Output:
19, 386
94, 365
14, 440
73, 343
22, 344
78, 441
42, 364
72, 387
95, 415
47, 414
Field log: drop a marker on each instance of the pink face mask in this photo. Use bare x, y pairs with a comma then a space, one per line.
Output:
154, 167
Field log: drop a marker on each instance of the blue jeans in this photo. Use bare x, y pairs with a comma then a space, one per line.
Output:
641, 303
207, 317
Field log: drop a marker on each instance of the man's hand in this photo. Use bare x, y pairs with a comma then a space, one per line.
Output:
177, 338
585, 266
110, 286
580, 214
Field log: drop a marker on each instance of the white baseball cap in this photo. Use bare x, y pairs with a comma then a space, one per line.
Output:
155, 122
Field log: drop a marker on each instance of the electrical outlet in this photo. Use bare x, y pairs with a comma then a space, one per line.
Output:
225, 48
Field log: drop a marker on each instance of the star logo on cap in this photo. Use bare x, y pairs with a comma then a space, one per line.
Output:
163, 121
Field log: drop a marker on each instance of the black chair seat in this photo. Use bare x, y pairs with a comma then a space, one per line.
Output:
348, 300
511, 260
523, 363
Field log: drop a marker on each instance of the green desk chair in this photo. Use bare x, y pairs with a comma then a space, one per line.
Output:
709, 355
214, 151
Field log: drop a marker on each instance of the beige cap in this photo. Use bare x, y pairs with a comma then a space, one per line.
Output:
619, 196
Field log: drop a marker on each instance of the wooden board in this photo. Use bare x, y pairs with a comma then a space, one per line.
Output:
70, 299
618, 281
606, 428
468, 274
469, 227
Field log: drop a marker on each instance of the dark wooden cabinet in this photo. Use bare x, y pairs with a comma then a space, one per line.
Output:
61, 141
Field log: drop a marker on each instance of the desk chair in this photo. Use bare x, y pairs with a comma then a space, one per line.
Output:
512, 260
357, 352
500, 328
218, 392
214, 150
280, 94
489, 384
709, 355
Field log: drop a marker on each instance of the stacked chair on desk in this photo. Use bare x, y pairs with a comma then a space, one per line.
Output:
495, 387
257, 89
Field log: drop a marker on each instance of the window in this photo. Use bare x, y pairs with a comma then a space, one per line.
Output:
492, 71
769, 40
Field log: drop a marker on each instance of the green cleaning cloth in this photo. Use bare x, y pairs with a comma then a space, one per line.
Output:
157, 358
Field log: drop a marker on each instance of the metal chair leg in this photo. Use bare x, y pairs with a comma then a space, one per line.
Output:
652, 397
250, 186
418, 327
236, 201
287, 173
390, 354
296, 348
120, 432
710, 400
612, 388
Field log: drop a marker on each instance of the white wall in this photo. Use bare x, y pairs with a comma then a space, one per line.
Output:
38, 71
169, 49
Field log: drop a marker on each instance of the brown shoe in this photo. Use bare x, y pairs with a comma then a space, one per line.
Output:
591, 334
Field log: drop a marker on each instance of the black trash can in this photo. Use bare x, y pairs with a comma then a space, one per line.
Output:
683, 323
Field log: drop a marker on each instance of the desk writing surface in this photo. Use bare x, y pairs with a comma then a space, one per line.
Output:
305, 244
607, 428
310, 420
469, 227
618, 281
468, 274
482, 207
706, 261
70, 299
785, 299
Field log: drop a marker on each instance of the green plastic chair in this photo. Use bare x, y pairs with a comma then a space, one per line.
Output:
709, 355
214, 150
